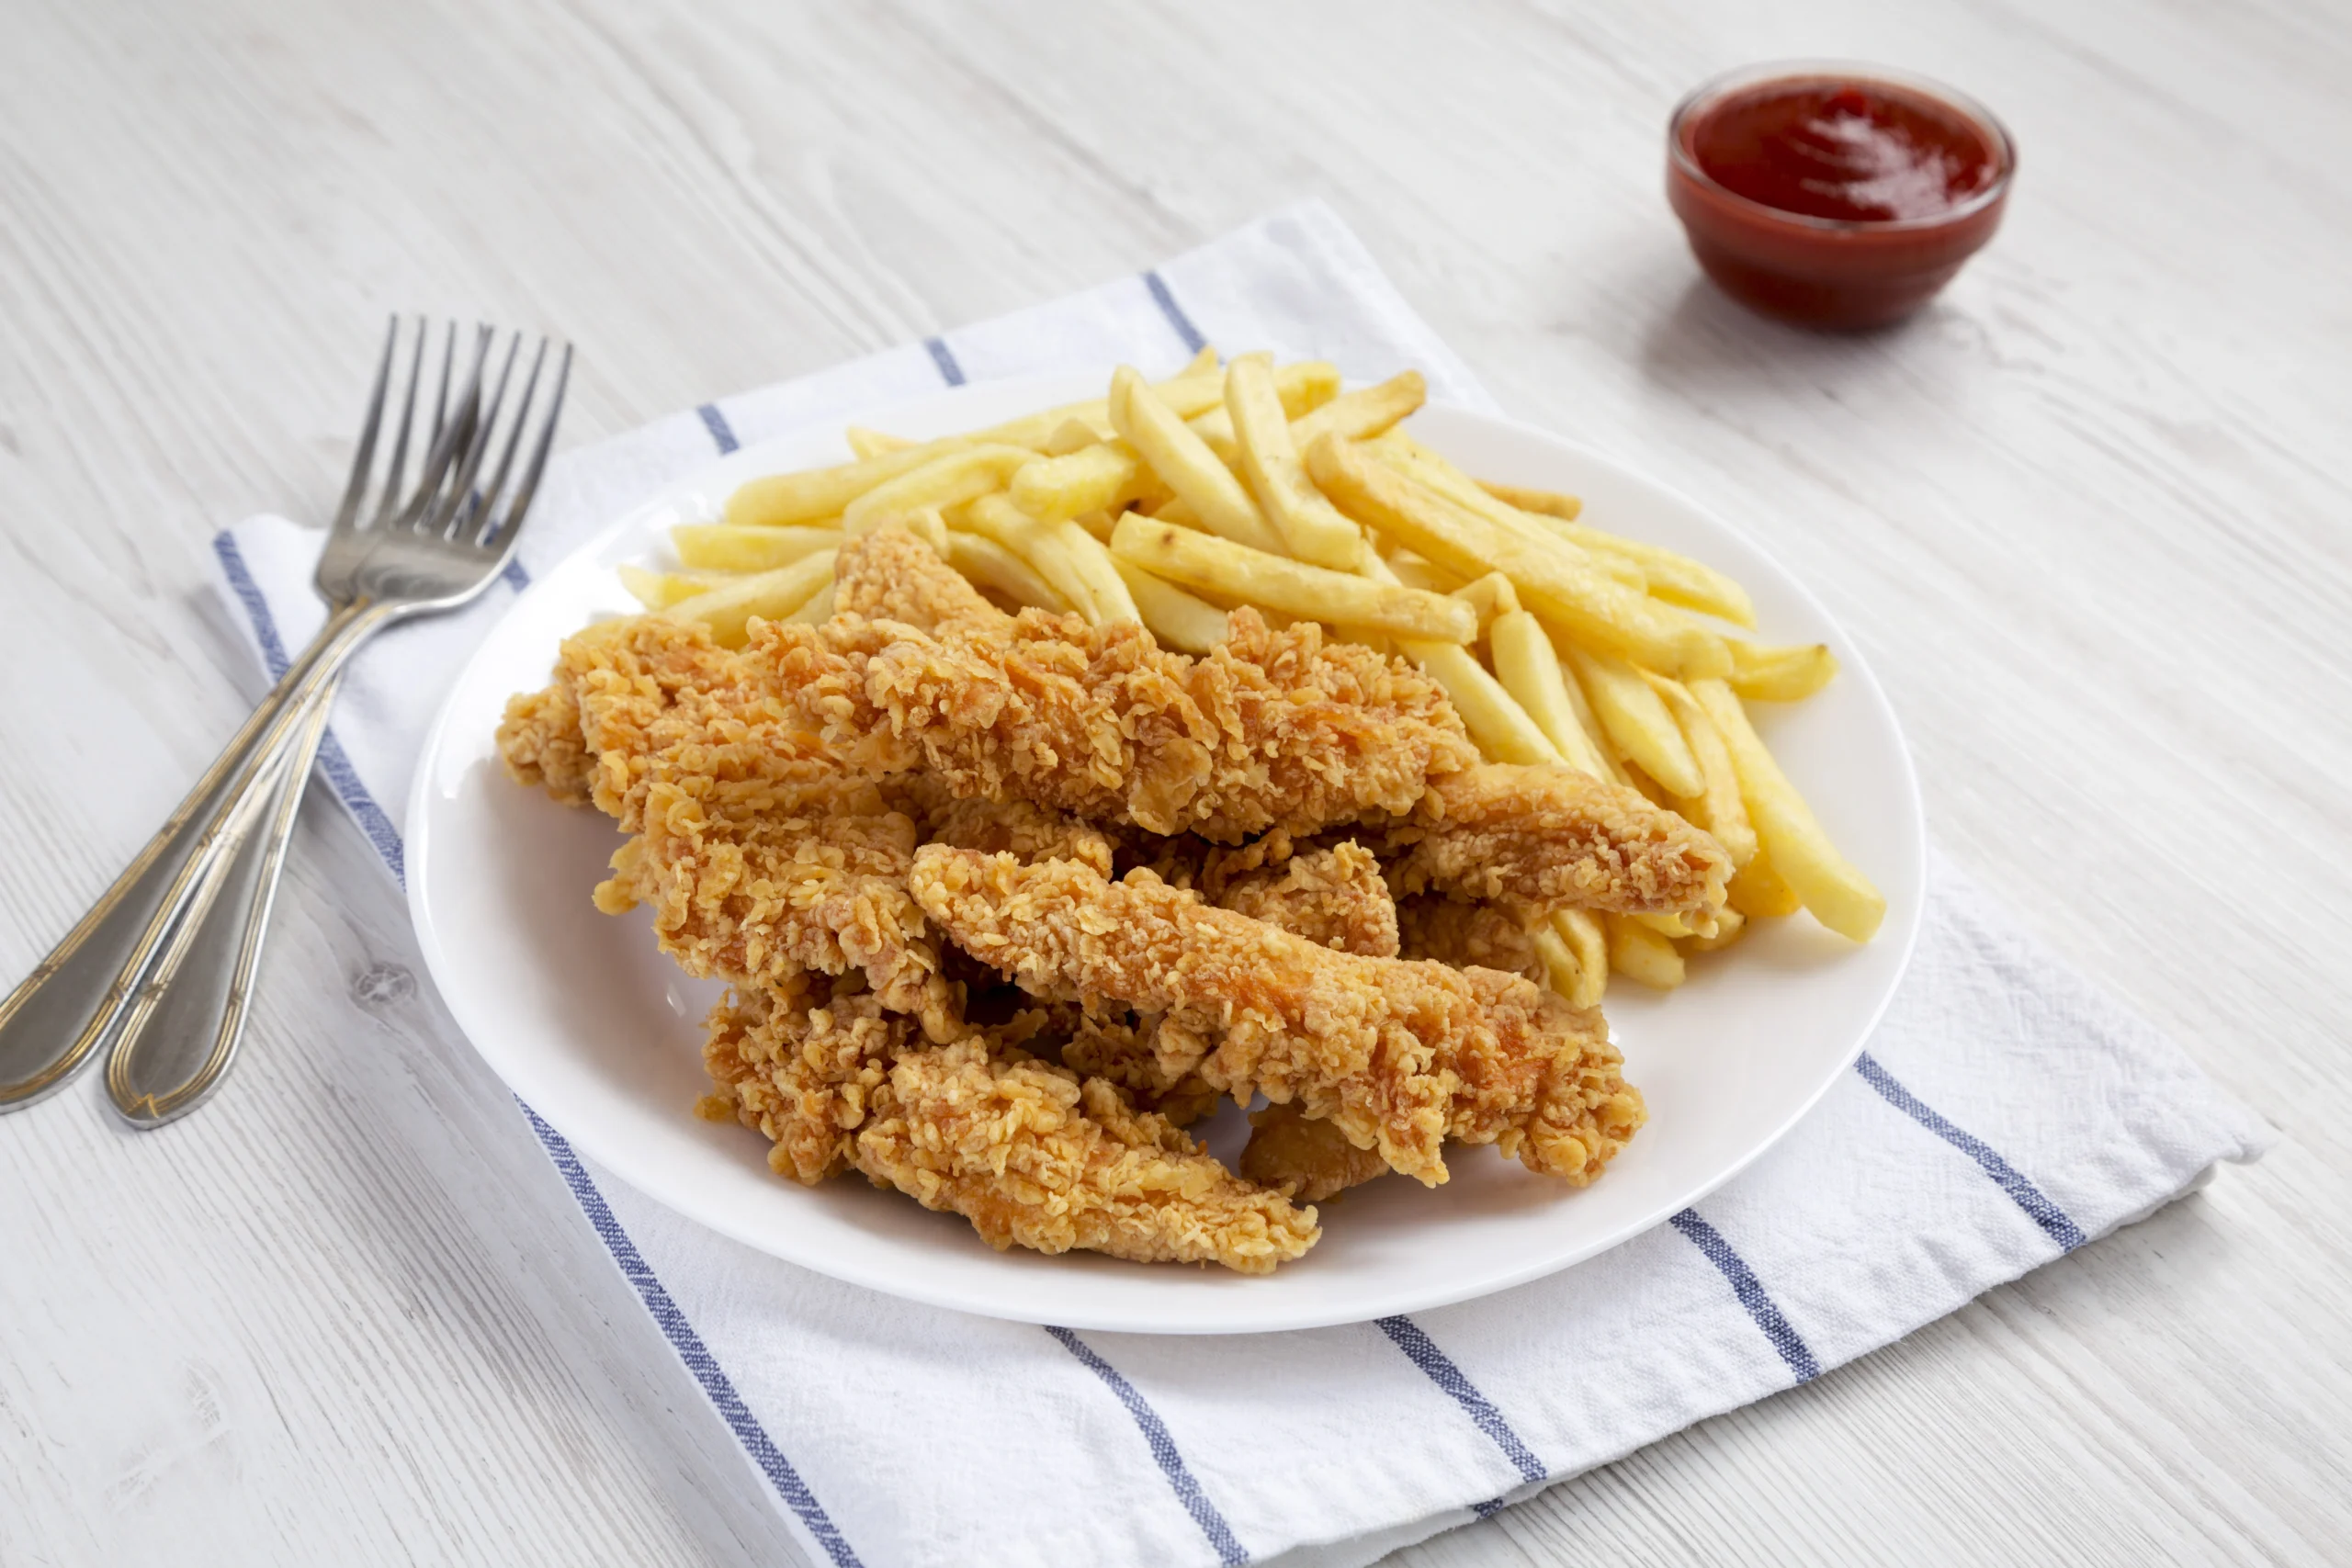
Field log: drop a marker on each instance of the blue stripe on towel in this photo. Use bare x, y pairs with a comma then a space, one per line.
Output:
2025, 1195
1160, 296
1422, 1351
1751, 1293
945, 357
721, 432
1230, 1550
716, 1385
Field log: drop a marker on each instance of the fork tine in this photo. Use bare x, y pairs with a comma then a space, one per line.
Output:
363, 460
518, 510
441, 398
475, 528
396, 469
449, 436
479, 421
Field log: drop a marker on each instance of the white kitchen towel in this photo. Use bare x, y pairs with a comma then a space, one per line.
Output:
2003, 1114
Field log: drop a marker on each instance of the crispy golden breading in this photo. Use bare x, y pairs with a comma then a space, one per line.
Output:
1485, 936
1032, 1155
539, 739
1400, 1055
1311, 1160
1550, 838
1334, 897
1013, 827
802, 1064
1120, 1049
757, 879
890, 575
1270, 729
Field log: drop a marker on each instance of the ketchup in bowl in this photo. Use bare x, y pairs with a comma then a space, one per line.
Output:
1835, 195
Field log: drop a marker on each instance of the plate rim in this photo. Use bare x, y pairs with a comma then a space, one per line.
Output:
914, 1287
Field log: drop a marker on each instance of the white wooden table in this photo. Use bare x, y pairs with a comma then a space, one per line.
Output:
2092, 518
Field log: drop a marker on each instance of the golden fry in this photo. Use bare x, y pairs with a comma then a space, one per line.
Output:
660, 590
1416, 462
1102, 477
1642, 955
1257, 577
1719, 809
947, 481
1543, 503
726, 547
728, 609
1760, 892
1490, 595
987, 564
1837, 894
1635, 720
1552, 579
1363, 414
1310, 525
1529, 668
815, 494
1494, 719
1187, 467
1175, 617
1673, 577
864, 443
1730, 926
1770, 674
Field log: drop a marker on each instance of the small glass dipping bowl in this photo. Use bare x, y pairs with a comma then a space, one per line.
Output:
1843, 274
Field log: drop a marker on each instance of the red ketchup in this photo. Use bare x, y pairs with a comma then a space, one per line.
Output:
1835, 197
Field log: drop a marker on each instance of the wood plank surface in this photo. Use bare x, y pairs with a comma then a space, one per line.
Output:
2088, 517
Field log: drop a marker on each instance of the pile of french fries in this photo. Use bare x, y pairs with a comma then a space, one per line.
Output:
1252, 483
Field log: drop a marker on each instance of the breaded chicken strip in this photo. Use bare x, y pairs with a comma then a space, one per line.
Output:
640, 668
1399, 1055
802, 1064
1120, 1049
891, 575
1334, 897
1547, 837
1033, 1156
1484, 936
1311, 1160
1272, 728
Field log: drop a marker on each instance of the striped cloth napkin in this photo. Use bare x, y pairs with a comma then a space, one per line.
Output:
2003, 1114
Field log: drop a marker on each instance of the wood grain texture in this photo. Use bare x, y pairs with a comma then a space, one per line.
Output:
2087, 515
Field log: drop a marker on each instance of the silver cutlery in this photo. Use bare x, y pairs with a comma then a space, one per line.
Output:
164, 963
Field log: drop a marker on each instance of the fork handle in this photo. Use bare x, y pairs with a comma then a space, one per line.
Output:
52, 1024
180, 1033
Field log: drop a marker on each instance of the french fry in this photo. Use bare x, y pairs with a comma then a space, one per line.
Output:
1200, 385
1838, 896
1529, 668
1106, 590
1671, 926
1186, 466
1554, 580
1588, 943
1359, 415
1719, 809
995, 517
946, 480
1073, 435
1176, 618
1547, 502
727, 546
1420, 571
814, 494
660, 590
1303, 387
1102, 477
1416, 462
1308, 524
1561, 970
1642, 955
1203, 560
1591, 722
1098, 523
1635, 720
1495, 721
819, 608
1760, 893
1673, 577
987, 564
1730, 926
1490, 595
1768, 674
864, 443
729, 608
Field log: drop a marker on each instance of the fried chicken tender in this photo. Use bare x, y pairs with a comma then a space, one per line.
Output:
1119, 1051
1334, 897
891, 575
1032, 1156
1548, 837
802, 1064
1311, 1160
1399, 1055
1486, 936
1270, 729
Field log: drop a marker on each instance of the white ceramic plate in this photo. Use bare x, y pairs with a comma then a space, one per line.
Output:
587, 1022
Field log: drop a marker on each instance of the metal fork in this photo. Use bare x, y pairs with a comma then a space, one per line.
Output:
433, 549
